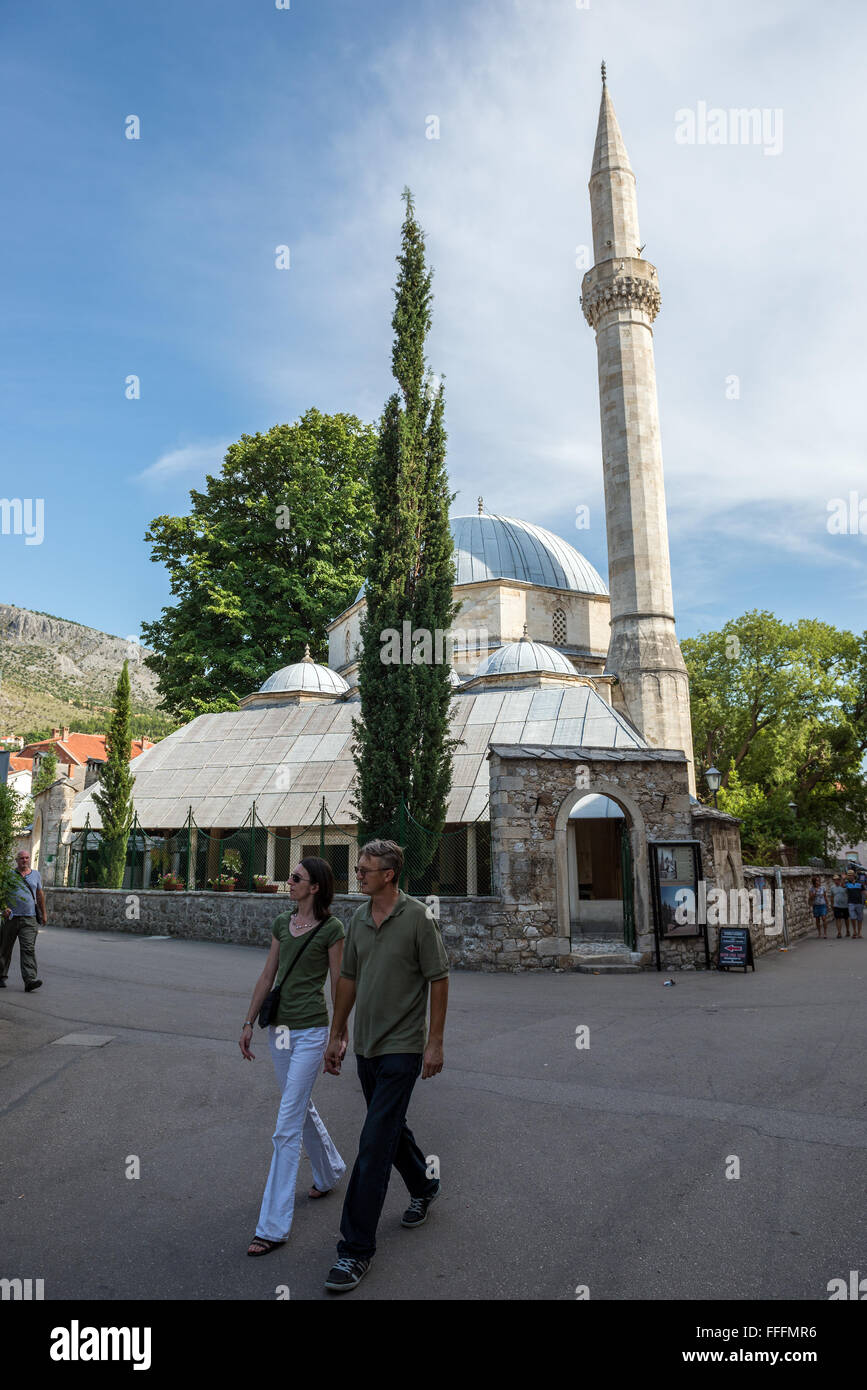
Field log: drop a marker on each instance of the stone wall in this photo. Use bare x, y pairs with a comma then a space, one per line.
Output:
479, 933
796, 906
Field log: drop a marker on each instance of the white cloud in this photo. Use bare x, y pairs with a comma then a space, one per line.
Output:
191, 458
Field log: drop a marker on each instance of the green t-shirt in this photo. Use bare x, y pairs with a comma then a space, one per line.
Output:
392, 966
302, 998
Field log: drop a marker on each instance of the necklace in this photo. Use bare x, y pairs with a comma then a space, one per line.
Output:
305, 925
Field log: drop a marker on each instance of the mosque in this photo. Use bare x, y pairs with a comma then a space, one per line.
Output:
570, 696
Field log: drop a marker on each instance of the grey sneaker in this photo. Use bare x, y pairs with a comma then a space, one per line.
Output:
345, 1273
416, 1212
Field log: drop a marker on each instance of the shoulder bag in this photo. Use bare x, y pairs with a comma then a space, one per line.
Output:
270, 1004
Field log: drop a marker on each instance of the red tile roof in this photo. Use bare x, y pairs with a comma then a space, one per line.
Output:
75, 750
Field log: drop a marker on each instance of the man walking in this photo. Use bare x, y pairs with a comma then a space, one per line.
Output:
22, 917
855, 894
393, 952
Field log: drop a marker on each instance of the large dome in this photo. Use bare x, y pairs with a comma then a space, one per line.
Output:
501, 547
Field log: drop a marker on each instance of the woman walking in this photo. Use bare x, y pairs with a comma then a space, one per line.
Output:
819, 902
307, 946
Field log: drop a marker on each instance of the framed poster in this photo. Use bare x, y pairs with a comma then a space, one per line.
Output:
675, 871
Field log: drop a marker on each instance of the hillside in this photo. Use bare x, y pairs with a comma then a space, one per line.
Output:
54, 671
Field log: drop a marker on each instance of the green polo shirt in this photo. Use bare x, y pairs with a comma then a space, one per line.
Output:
392, 966
302, 997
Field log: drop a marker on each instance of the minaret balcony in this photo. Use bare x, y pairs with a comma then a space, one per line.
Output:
624, 284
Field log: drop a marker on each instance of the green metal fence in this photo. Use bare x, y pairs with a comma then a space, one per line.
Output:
455, 862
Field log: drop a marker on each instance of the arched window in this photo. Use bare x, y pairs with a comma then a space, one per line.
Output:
559, 628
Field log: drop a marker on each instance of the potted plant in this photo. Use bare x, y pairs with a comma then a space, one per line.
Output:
261, 884
172, 883
231, 866
224, 884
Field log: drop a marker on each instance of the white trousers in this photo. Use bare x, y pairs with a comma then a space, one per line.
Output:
297, 1056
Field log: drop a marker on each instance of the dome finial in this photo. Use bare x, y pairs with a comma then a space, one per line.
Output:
603, 72
524, 637
307, 656
481, 507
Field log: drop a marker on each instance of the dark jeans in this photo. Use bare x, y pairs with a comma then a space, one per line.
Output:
23, 930
387, 1084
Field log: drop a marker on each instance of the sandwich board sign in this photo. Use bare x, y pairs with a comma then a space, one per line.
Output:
735, 949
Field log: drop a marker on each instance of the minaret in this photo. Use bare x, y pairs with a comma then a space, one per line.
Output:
620, 298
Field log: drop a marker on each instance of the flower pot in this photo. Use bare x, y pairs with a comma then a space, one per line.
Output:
265, 887
224, 887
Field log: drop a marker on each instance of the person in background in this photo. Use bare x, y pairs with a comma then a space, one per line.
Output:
819, 903
840, 903
855, 895
306, 946
23, 916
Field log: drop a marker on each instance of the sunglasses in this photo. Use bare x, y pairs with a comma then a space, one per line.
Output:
296, 878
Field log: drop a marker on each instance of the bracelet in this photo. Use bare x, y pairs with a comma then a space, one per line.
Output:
248, 1024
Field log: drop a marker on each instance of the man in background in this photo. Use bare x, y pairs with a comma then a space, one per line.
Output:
22, 918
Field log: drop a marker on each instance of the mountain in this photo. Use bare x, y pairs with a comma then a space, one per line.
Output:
54, 671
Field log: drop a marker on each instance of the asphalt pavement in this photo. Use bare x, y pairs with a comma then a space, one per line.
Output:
601, 1167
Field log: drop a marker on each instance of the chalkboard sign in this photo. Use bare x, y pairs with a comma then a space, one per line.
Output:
735, 948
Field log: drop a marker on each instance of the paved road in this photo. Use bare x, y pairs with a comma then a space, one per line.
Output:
561, 1167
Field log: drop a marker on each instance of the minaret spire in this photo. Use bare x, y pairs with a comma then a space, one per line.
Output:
613, 199
620, 298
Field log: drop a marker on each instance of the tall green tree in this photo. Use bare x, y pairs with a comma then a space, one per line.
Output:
47, 774
8, 830
402, 746
781, 709
271, 551
114, 797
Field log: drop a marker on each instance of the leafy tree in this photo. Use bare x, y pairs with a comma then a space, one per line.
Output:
114, 797
47, 774
402, 747
271, 551
8, 830
781, 709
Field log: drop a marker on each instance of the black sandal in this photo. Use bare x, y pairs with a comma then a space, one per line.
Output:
268, 1244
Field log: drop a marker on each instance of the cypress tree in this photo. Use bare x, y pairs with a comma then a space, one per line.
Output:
402, 746
114, 798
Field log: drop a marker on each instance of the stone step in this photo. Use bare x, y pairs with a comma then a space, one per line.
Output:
601, 965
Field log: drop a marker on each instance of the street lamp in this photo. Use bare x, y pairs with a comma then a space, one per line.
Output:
713, 777
793, 807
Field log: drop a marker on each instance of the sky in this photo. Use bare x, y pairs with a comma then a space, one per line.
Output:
299, 126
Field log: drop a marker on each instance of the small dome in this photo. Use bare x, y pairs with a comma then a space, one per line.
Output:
454, 678
525, 656
307, 676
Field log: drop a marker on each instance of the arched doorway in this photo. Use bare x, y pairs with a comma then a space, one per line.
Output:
600, 871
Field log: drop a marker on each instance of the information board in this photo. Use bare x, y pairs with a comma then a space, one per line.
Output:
735, 948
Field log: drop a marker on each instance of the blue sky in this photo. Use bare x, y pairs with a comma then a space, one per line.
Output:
262, 127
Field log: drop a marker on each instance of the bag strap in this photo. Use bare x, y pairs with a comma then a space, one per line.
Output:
295, 959
27, 885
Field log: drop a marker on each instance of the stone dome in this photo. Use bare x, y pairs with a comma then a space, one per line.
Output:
307, 676
524, 655
502, 547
